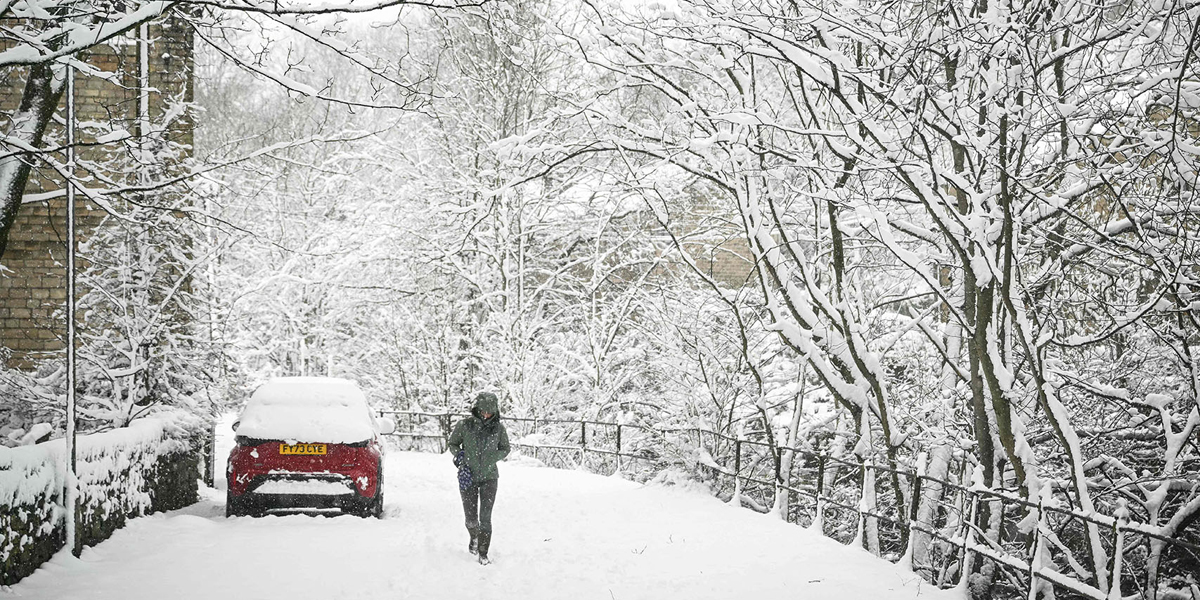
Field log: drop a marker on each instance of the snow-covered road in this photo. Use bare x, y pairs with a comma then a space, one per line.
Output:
558, 535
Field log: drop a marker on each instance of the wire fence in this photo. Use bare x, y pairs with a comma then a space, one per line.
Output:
940, 527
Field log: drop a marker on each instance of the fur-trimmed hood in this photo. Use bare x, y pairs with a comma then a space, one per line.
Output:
486, 402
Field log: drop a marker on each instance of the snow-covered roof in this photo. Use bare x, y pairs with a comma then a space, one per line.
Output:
308, 409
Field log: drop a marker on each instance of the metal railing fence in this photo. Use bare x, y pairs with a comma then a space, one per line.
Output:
831, 494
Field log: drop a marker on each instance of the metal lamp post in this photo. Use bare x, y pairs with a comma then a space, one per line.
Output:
70, 496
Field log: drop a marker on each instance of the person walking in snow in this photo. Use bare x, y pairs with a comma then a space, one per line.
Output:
478, 442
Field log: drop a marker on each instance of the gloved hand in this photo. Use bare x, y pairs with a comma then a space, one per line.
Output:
464, 472
465, 479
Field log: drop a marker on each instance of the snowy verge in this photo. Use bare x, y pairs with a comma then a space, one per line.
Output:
148, 466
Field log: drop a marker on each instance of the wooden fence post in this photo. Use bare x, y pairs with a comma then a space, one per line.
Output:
537, 445
1035, 561
860, 537
967, 535
916, 501
914, 506
583, 444
618, 447
737, 465
1114, 592
820, 475
818, 522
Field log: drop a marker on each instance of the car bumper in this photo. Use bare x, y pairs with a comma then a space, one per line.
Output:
252, 503
306, 490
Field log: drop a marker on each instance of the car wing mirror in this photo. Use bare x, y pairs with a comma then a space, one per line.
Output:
386, 425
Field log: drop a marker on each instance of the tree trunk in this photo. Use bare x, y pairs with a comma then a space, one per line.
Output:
43, 90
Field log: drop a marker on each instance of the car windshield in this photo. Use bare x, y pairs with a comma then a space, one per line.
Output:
307, 409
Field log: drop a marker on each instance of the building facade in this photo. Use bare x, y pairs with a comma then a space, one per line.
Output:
139, 76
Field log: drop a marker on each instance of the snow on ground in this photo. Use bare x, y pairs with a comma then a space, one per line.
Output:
558, 535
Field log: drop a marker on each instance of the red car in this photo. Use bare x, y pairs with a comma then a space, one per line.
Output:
307, 443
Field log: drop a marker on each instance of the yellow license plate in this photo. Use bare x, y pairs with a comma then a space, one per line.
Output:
302, 449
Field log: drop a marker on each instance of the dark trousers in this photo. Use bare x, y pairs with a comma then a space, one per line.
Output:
477, 505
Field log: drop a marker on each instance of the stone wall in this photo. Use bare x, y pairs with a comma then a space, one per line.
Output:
33, 281
150, 466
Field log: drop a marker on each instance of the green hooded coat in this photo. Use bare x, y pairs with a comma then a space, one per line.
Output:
484, 442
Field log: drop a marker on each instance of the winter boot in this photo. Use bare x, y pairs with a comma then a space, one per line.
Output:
485, 541
473, 546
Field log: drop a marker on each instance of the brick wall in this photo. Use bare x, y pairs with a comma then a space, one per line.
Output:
727, 260
33, 284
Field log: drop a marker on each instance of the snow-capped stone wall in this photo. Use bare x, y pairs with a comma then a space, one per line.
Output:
150, 466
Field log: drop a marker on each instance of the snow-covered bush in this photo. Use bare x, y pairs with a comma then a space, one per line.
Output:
33, 403
150, 466
142, 309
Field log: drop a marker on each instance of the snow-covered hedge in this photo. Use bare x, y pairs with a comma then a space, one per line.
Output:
151, 465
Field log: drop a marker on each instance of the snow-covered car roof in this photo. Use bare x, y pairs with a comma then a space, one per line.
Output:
308, 409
